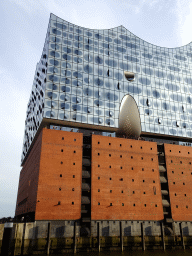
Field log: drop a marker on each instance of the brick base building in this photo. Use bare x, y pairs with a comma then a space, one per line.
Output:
89, 178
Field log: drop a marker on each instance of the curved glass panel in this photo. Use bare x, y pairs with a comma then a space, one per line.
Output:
94, 62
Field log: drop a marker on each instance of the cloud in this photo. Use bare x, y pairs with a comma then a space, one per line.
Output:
14, 101
87, 13
185, 28
31, 6
138, 7
13, 111
153, 3
182, 11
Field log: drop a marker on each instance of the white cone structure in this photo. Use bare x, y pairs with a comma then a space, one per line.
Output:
129, 118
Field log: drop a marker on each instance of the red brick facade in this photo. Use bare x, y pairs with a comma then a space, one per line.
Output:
57, 169
179, 172
28, 181
125, 180
61, 155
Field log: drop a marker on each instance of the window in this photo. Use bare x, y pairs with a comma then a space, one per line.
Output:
131, 168
133, 204
109, 143
156, 205
145, 205
61, 175
122, 204
172, 171
98, 142
131, 157
98, 154
143, 180
130, 146
98, 203
110, 191
59, 189
73, 163
74, 151
122, 191
133, 192
109, 155
152, 170
73, 176
109, 166
153, 181
98, 178
141, 147
151, 148
176, 206
73, 189
74, 139
151, 159
120, 156
72, 203
141, 158
98, 165
120, 145
61, 162
62, 138
59, 202
111, 204
154, 190
98, 190
110, 178
132, 180
61, 150
121, 167
142, 169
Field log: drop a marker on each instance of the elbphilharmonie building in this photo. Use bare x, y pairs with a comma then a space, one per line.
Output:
80, 78
108, 133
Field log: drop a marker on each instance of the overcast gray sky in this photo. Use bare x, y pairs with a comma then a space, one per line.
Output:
23, 26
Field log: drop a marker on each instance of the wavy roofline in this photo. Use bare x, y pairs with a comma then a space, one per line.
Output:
162, 47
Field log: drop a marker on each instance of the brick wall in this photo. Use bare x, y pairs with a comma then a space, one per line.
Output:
125, 180
179, 172
50, 180
60, 176
28, 181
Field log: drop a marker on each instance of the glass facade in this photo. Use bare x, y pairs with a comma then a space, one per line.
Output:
80, 78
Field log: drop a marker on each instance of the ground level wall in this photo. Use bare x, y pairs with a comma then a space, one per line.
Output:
36, 237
